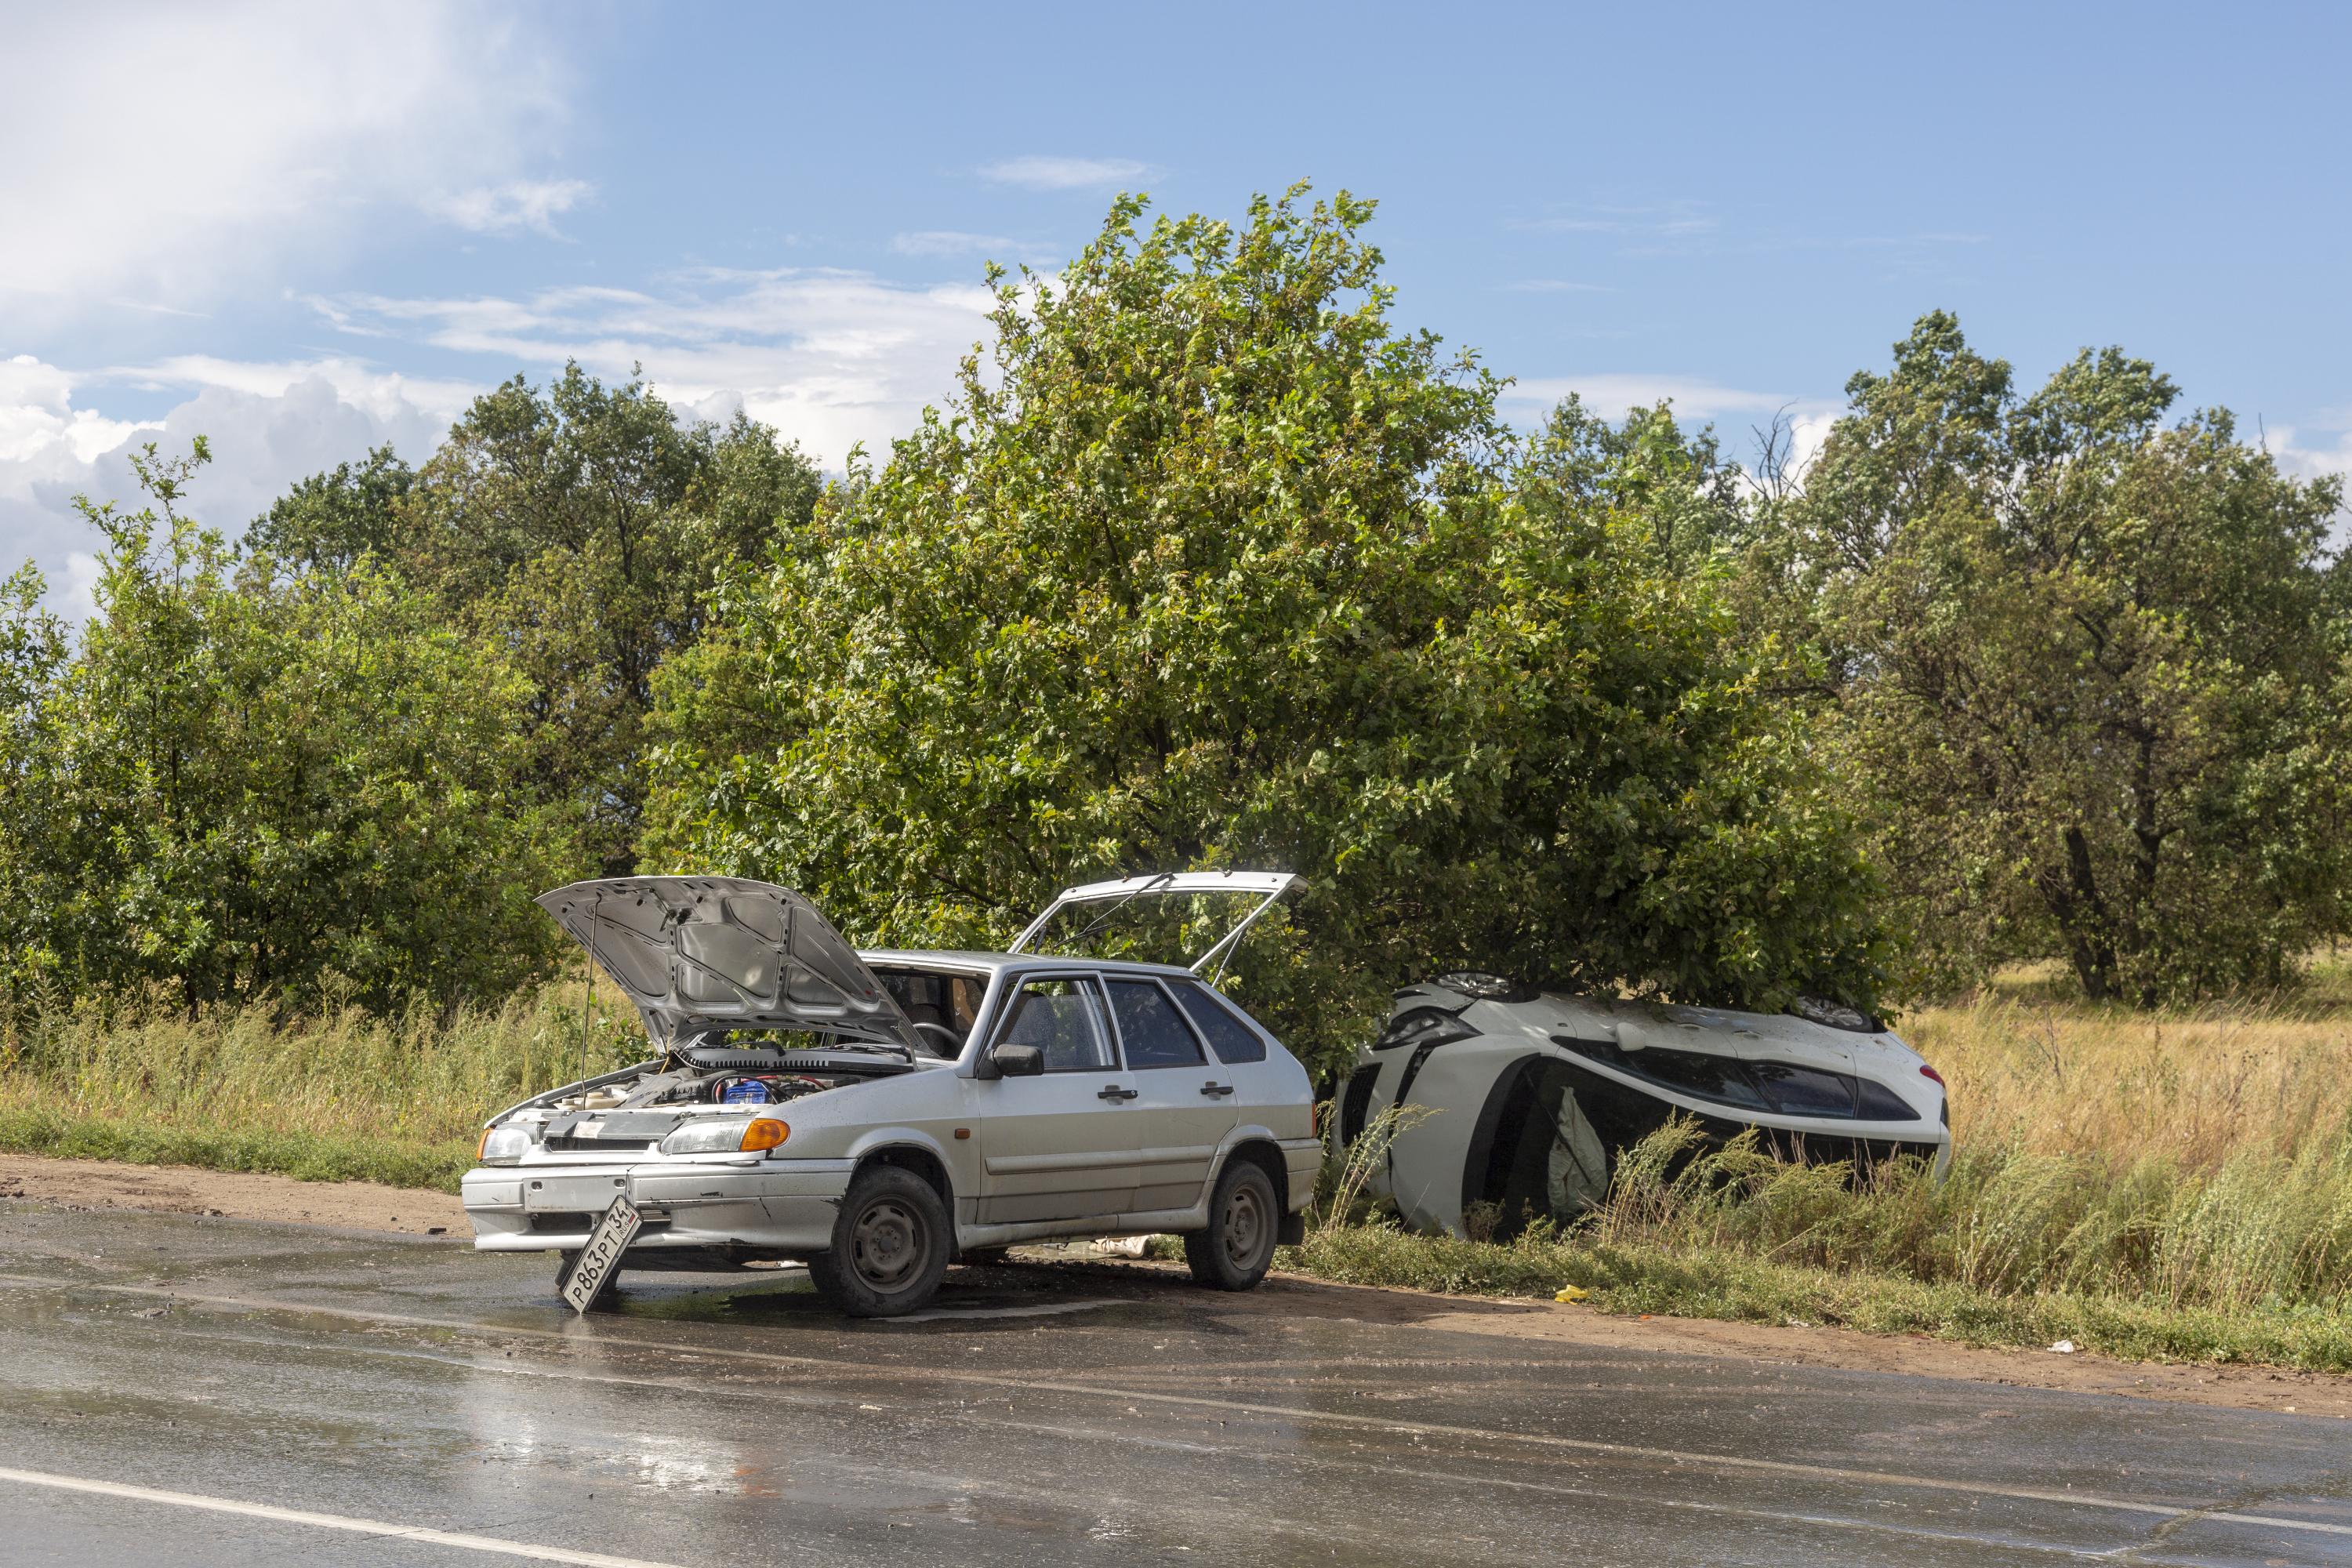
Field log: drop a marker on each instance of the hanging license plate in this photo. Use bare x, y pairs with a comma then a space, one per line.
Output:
601, 1256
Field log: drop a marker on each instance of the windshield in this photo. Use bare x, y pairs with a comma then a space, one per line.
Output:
942, 1005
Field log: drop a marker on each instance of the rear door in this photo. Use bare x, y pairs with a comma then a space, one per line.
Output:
1061, 1145
1188, 1101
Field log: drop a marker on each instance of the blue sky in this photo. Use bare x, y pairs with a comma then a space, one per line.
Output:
301, 229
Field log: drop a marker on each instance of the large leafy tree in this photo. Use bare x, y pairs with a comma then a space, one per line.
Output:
577, 529
1209, 563
283, 785
2091, 665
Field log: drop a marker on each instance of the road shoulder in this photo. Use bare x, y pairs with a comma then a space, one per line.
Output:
364, 1206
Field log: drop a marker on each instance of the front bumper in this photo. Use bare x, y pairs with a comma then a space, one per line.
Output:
781, 1206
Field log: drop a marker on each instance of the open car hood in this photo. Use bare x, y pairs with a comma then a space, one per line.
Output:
698, 952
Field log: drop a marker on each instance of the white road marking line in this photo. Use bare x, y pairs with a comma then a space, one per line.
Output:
331, 1521
1276, 1412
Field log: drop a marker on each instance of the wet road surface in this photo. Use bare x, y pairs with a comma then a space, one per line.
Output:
257, 1395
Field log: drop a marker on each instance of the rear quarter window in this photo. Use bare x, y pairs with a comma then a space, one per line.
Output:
1233, 1040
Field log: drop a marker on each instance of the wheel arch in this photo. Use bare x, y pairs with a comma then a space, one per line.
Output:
919, 1160
1258, 1146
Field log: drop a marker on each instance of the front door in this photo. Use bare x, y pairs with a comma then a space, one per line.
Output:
1061, 1145
1187, 1102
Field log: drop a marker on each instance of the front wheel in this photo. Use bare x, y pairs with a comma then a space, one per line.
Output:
890, 1246
1235, 1252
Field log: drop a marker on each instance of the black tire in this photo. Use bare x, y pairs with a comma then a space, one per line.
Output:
604, 1302
890, 1246
1236, 1251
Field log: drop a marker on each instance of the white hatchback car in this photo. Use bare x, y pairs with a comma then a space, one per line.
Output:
877, 1113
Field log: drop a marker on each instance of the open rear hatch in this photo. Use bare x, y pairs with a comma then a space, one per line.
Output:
1262, 888
697, 954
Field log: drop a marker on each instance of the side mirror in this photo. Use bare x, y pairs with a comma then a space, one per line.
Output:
1017, 1061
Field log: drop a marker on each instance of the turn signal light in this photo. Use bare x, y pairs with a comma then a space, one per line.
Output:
765, 1132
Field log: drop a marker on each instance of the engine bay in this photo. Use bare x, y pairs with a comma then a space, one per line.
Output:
737, 1074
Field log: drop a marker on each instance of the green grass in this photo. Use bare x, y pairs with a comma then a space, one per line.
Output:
306, 1156
2173, 1186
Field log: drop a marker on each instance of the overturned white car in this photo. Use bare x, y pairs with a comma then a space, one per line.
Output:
875, 1113
1523, 1101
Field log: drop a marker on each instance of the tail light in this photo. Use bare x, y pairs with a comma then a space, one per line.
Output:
1933, 1076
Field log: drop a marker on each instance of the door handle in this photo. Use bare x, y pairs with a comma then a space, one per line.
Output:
1213, 1090
1115, 1092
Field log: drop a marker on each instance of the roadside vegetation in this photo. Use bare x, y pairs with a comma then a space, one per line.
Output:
2169, 1185
2040, 695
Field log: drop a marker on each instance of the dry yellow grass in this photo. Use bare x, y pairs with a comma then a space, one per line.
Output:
2043, 1075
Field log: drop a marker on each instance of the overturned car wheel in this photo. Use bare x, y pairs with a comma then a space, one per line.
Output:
1235, 1251
890, 1246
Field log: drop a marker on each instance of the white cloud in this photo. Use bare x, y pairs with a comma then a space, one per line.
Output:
268, 426
512, 207
159, 153
38, 420
1051, 174
2315, 454
830, 358
1655, 220
956, 242
1736, 413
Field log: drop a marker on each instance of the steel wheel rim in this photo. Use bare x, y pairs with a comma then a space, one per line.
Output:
888, 1246
1244, 1226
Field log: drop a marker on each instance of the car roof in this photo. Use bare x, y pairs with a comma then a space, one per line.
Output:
995, 963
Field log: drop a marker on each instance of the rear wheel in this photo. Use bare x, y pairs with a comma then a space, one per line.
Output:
1236, 1251
890, 1246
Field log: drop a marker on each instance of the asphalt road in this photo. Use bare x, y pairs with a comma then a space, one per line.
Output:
200, 1392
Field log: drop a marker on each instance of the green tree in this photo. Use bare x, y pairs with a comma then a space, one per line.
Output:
270, 786
2090, 667
1209, 564
33, 652
328, 522
579, 529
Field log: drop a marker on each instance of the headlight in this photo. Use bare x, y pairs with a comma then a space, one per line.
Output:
505, 1145
726, 1135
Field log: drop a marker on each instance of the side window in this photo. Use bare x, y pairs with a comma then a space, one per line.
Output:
1804, 1091
1880, 1103
1154, 1033
1063, 1018
1695, 1073
947, 1002
1233, 1040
